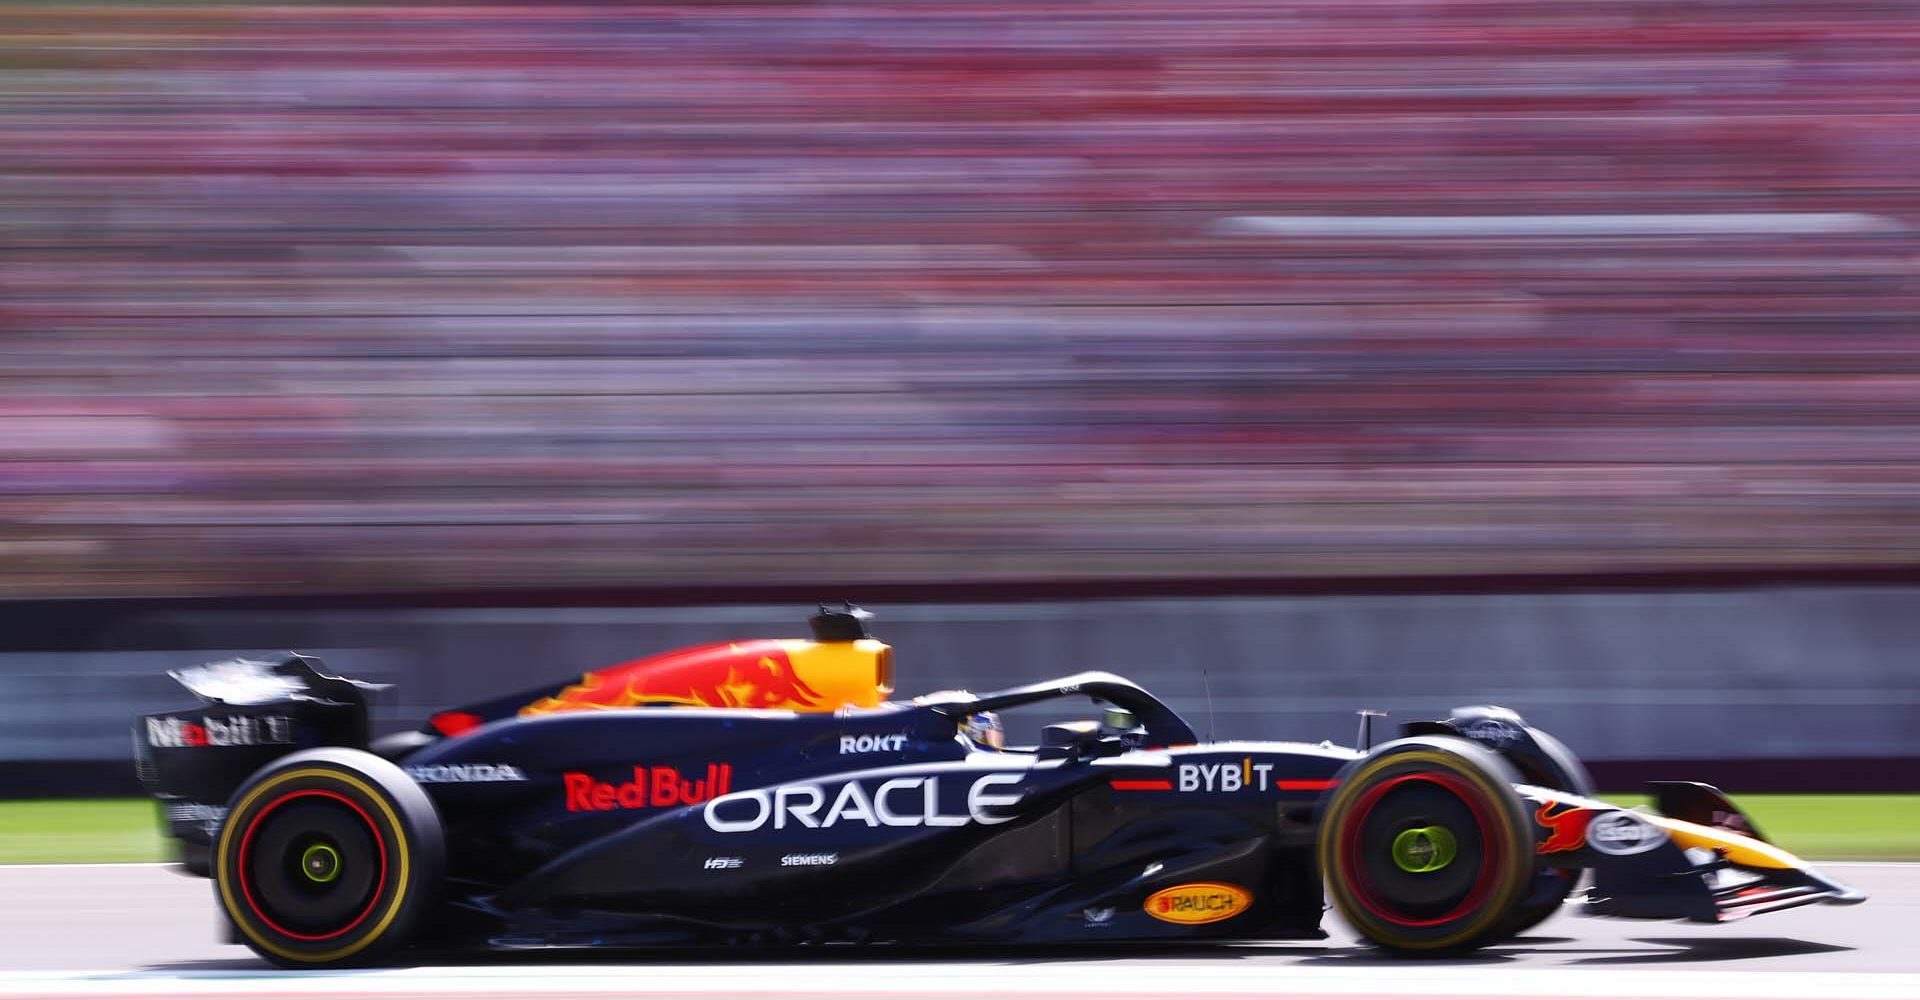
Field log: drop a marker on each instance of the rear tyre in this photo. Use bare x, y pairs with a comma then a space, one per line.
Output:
1426, 846
328, 857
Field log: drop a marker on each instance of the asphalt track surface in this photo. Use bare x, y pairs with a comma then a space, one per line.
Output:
128, 931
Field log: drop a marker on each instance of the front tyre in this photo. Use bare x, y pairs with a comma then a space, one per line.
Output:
1560, 770
1426, 847
328, 857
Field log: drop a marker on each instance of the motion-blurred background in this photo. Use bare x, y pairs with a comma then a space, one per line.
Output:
1378, 353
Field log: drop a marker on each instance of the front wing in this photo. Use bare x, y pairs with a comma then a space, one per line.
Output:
1651, 866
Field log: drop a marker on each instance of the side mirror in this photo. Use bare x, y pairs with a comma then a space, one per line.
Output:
1068, 740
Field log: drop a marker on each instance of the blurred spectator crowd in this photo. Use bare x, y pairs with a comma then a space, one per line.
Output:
379, 296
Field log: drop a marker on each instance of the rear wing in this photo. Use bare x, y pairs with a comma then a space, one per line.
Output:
251, 712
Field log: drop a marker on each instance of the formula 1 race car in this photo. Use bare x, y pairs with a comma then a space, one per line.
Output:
769, 792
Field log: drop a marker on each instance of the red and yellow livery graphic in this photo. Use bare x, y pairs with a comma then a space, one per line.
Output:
794, 674
1566, 829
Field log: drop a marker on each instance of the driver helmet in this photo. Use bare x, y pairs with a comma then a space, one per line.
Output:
1123, 724
984, 728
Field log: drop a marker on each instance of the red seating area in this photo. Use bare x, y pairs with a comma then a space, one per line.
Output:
389, 296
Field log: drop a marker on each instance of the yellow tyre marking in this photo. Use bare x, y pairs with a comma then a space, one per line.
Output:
1329, 833
226, 878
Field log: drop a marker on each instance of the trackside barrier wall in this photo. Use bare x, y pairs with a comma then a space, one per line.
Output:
1774, 673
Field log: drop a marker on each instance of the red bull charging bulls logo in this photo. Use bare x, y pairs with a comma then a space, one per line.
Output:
1566, 827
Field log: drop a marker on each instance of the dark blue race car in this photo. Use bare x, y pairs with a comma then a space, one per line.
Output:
771, 792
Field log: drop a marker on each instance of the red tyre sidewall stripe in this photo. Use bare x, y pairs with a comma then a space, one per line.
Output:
1356, 874
247, 840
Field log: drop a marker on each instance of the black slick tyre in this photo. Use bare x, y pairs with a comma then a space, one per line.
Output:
328, 857
1426, 847
1551, 886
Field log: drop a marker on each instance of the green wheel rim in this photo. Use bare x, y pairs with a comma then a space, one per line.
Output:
1424, 849
320, 863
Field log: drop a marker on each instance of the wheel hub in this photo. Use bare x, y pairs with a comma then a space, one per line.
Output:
320, 863
1420, 849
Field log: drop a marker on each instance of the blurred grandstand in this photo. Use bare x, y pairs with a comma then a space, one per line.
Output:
386, 296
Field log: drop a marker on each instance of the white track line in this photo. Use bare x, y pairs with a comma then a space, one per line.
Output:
170, 864
1630, 224
921, 980
30, 866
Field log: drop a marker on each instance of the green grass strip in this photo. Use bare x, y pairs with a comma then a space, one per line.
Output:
94, 830
1831, 827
